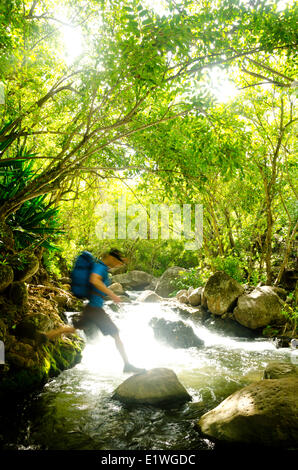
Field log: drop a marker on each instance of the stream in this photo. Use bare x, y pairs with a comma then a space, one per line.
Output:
75, 411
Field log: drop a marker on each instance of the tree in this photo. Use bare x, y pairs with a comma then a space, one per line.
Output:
138, 73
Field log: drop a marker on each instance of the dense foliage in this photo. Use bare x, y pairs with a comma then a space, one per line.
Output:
135, 114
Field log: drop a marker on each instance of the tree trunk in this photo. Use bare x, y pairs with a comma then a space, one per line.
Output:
268, 244
290, 240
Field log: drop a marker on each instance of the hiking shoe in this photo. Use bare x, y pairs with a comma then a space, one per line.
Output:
130, 368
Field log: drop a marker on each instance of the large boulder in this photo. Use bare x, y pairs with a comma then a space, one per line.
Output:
148, 296
259, 308
177, 334
263, 413
194, 296
279, 370
154, 387
164, 286
221, 292
133, 280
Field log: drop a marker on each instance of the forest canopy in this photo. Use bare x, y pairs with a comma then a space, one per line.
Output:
106, 98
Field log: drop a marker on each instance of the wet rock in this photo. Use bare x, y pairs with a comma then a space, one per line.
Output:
164, 286
281, 341
149, 296
158, 387
195, 296
133, 280
263, 413
227, 326
125, 298
259, 308
279, 370
177, 334
6, 276
221, 292
200, 314
117, 288
30, 366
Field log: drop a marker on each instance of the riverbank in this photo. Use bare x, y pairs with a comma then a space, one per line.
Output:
75, 410
30, 360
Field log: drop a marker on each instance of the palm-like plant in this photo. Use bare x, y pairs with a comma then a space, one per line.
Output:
34, 223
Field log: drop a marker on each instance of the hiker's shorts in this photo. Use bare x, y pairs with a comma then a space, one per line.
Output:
96, 315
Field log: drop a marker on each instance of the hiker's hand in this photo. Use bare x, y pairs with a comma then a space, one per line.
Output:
116, 299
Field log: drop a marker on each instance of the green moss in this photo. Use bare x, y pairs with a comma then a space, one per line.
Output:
18, 294
6, 276
9, 311
47, 366
33, 372
3, 330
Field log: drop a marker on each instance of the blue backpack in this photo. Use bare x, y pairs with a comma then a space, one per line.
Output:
80, 285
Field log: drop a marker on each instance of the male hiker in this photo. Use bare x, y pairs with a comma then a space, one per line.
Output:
93, 313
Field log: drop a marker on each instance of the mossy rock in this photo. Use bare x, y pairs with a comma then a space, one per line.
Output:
43, 321
6, 276
19, 361
27, 329
30, 369
263, 413
9, 311
3, 330
279, 370
221, 292
24, 264
18, 294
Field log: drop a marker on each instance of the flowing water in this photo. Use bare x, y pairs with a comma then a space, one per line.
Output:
75, 411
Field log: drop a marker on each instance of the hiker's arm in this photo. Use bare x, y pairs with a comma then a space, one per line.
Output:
96, 281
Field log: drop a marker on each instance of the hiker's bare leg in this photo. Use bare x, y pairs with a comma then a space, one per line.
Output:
121, 349
127, 366
59, 331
